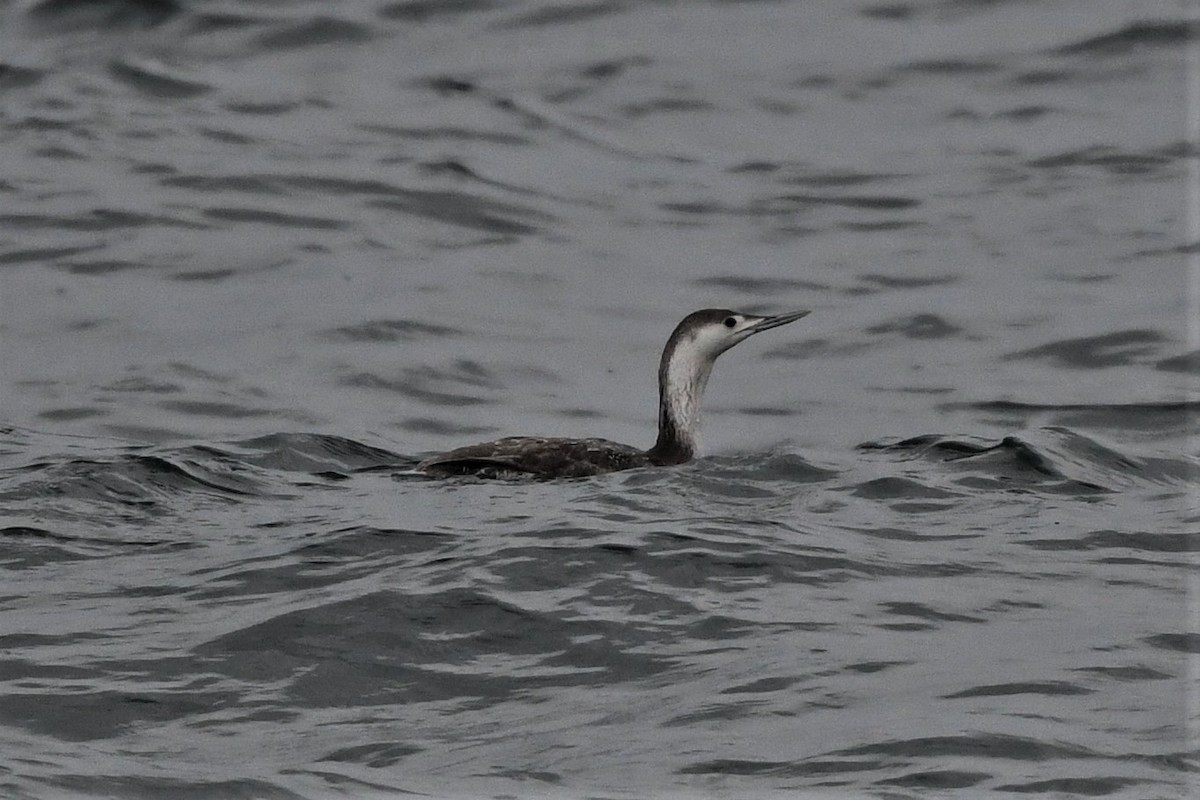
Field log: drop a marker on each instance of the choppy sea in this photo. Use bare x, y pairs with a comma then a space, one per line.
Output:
256, 259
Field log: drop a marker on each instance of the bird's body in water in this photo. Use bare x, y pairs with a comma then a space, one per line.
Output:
683, 374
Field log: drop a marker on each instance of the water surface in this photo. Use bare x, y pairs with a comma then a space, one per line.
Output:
257, 260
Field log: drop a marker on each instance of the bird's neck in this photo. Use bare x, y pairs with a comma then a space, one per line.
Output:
682, 378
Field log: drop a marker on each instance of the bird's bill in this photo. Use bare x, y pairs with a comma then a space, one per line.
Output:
766, 323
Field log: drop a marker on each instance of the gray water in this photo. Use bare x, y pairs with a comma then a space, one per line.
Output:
257, 259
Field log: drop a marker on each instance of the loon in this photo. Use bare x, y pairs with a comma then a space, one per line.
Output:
683, 372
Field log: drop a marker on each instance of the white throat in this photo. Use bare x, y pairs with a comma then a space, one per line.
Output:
686, 378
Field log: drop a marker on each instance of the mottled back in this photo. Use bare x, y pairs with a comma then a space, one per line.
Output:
536, 457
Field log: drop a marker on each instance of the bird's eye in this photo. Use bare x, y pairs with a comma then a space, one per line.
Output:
730, 322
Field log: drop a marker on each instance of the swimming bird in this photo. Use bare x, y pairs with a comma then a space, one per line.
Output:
683, 372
